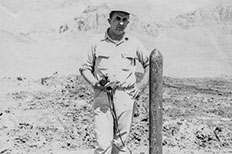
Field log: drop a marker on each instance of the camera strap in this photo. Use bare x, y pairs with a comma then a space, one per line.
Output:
110, 95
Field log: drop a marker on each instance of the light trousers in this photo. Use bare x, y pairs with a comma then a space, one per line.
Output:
108, 141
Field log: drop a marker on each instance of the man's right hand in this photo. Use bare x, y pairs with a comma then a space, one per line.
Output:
97, 85
107, 86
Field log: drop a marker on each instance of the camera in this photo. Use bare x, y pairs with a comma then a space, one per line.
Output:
105, 82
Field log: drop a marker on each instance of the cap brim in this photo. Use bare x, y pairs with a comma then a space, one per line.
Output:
120, 11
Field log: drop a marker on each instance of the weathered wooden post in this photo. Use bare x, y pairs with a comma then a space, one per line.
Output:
155, 102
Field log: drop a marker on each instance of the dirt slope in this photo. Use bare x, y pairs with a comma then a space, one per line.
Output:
54, 114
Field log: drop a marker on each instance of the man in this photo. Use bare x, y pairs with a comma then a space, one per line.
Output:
110, 69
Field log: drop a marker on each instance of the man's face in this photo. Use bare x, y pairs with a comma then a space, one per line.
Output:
119, 22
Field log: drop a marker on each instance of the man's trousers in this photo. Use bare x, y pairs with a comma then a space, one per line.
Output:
111, 135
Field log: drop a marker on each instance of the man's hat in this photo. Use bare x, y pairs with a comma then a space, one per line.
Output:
120, 8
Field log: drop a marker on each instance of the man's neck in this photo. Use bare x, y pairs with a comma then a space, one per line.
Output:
114, 36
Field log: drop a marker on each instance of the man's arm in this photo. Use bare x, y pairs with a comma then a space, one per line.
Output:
143, 58
87, 67
88, 76
141, 85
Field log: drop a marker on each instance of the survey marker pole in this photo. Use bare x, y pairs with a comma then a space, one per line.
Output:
155, 102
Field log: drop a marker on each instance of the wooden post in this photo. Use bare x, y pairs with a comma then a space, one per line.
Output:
155, 102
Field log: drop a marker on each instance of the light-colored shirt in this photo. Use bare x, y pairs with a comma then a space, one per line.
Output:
116, 60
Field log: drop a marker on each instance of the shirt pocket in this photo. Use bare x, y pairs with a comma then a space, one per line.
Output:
129, 61
102, 59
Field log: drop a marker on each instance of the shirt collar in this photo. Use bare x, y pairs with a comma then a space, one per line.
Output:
107, 38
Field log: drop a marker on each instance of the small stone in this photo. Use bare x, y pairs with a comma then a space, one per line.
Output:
20, 78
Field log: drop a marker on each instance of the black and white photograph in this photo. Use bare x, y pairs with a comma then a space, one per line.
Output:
115, 77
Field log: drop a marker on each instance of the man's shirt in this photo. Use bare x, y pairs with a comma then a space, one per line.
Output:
116, 60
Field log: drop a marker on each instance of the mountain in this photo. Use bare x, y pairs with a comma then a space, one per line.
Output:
194, 36
200, 40
206, 33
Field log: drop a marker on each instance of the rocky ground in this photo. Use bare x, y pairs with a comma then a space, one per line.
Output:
53, 114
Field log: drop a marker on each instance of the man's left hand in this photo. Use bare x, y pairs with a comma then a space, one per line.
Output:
139, 88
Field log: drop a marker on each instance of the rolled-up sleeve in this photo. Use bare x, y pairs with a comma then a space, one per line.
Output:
142, 54
89, 61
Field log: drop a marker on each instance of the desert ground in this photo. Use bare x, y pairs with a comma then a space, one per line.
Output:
54, 115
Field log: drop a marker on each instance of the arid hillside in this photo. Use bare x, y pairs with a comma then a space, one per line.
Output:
54, 115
